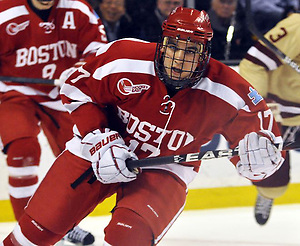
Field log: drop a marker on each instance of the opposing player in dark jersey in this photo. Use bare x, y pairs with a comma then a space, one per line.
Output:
39, 39
136, 99
279, 84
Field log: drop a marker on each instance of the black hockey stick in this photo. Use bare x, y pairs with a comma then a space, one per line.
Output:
162, 160
53, 82
250, 22
199, 156
190, 157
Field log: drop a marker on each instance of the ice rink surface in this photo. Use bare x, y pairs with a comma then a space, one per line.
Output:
216, 227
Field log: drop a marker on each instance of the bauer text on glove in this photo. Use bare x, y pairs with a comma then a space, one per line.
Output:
108, 153
95, 143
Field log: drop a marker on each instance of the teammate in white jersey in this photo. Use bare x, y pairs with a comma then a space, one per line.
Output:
136, 99
279, 84
39, 39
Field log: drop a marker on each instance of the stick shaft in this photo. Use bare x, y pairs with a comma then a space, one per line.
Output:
199, 156
161, 160
52, 82
190, 157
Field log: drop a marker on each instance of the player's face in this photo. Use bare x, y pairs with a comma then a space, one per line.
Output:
43, 4
181, 58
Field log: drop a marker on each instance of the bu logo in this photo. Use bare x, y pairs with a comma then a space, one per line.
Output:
254, 96
126, 87
167, 106
48, 26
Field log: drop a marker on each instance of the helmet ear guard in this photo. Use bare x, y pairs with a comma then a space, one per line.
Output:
185, 29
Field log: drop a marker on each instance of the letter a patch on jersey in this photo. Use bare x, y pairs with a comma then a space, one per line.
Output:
69, 22
254, 96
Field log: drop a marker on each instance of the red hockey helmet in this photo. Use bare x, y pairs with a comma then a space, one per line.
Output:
187, 31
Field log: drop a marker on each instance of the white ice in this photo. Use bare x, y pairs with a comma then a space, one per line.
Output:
216, 227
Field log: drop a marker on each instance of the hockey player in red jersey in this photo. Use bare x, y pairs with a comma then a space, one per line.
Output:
39, 39
136, 99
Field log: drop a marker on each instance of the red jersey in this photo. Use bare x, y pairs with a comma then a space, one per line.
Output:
31, 47
119, 89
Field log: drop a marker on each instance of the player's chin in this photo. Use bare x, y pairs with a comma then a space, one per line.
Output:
179, 76
47, 3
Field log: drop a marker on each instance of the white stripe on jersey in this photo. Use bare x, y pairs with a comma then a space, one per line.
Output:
134, 39
271, 64
12, 13
21, 239
124, 66
67, 4
22, 192
93, 46
22, 171
77, 95
54, 93
56, 105
25, 90
104, 48
223, 92
107, 46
